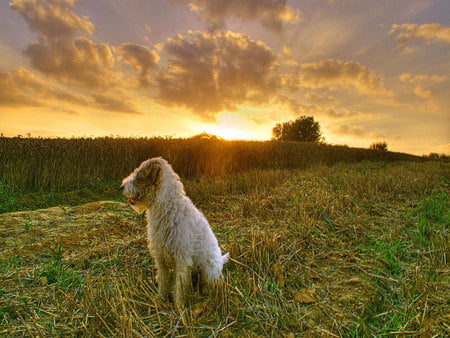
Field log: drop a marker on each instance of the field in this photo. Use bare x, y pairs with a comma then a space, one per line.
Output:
345, 248
40, 173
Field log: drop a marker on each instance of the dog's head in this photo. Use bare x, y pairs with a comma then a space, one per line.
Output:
141, 185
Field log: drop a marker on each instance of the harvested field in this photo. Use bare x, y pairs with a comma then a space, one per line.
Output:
352, 249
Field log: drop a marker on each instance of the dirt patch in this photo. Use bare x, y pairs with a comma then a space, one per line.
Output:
78, 232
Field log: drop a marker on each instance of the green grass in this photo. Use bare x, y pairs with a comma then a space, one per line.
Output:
7, 199
389, 253
31, 201
57, 271
403, 267
432, 215
10, 264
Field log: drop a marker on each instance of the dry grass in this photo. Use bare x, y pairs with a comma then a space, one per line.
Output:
59, 165
346, 250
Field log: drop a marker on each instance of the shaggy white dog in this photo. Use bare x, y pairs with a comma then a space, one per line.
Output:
179, 236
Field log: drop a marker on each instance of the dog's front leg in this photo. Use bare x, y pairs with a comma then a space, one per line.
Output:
182, 284
162, 278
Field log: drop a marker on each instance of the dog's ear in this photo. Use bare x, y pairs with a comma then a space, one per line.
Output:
149, 174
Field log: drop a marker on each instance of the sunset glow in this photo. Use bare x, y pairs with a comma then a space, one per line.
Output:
232, 126
228, 133
367, 71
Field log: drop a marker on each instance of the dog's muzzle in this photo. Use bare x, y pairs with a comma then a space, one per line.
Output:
132, 201
139, 208
135, 202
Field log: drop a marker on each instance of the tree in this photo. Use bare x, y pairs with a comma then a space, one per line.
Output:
303, 129
380, 146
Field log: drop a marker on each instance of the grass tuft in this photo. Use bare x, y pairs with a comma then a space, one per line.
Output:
432, 215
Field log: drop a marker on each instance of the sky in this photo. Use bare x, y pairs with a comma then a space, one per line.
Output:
367, 71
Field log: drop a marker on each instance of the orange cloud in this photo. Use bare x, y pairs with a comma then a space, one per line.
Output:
80, 61
117, 102
319, 98
209, 73
141, 58
355, 131
420, 82
21, 88
424, 93
52, 18
331, 73
420, 78
273, 14
408, 33
335, 114
58, 54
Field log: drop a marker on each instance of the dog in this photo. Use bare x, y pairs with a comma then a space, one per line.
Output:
180, 239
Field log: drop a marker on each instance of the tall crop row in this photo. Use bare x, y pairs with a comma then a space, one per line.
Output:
51, 165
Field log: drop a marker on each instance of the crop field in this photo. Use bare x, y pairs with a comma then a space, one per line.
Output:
38, 172
345, 248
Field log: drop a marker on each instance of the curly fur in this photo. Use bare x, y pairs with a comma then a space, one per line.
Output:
180, 239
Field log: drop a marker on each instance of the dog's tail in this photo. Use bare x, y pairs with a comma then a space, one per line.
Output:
225, 258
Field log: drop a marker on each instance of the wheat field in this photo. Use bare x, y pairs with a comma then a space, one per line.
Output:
39, 173
353, 249
53, 165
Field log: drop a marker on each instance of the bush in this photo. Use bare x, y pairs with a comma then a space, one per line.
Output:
379, 146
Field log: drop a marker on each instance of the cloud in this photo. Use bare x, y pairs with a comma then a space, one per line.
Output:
52, 18
72, 60
331, 73
424, 93
420, 82
294, 106
118, 103
57, 53
355, 131
319, 98
421, 78
324, 111
430, 33
209, 73
141, 58
290, 81
334, 114
80, 61
22, 88
273, 14
430, 104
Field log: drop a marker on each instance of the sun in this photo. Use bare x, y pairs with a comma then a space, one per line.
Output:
230, 127
227, 133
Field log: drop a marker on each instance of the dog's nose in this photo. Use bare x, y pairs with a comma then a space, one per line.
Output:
122, 187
